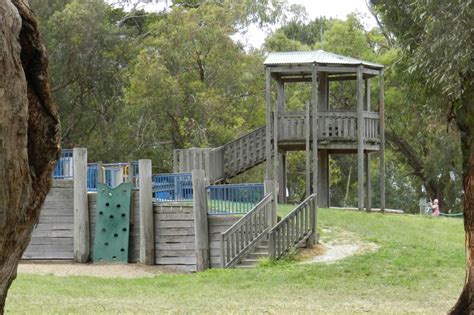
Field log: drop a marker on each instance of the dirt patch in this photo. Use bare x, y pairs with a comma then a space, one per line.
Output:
343, 244
93, 270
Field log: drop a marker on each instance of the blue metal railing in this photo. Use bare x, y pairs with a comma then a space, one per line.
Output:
172, 187
92, 176
63, 169
234, 198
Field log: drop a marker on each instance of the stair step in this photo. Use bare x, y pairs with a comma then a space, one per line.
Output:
249, 262
245, 266
257, 255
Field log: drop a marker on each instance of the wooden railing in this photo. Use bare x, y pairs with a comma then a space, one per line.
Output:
206, 159
240, 238
244, 152
294, 229
371, 126
332, 125
292, 126
337, 124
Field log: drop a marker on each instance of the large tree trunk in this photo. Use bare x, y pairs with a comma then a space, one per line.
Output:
465, 121
29, 134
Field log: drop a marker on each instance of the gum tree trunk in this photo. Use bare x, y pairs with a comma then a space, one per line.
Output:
29, 134
465, 121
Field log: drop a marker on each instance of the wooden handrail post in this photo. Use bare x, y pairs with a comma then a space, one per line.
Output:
200, 220
223, 260
313, 219
147, 241
81, 207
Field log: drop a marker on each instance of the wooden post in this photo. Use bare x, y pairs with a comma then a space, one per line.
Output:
382, 141
367, 95
268, 140
276, 183
175, 161
200, 220
81, 208
323, 182
100, 173
314, 106
267, 189
282, 179
368, 184
308, 148
360, 140
130, 173
147, 238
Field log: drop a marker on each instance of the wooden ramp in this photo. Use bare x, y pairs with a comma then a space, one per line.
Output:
226, 161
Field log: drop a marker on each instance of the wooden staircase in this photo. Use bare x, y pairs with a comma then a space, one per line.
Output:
226, 161
253, 258
251, 238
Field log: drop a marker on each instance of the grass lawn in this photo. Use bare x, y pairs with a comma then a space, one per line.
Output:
419, 268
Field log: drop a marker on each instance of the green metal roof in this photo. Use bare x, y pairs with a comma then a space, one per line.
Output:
314, 57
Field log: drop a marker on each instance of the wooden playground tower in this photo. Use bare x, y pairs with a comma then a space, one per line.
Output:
356, 131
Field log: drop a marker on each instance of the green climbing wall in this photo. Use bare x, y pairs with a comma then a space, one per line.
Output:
112, 223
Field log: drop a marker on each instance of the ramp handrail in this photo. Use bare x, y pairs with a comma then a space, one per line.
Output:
241, 237
294, 229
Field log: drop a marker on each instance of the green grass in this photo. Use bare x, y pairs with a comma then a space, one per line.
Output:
419, 268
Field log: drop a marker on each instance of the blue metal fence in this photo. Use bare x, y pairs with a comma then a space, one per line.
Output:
234, 198
92, 176
63, 169
173, 187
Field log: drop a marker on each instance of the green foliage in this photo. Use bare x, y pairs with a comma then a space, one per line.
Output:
191, 85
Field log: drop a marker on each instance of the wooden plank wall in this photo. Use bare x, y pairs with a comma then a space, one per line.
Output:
52, 238
175, 236
134, 241
217, 225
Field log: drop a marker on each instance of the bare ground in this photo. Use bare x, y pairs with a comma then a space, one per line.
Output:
94, 270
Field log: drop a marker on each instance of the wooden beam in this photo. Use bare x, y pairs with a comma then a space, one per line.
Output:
382, 140
268, 140
147, 237
367, 95
295, 79
291, 69
282, 179
200, 220
308, 148
280, 97
314, 105
275, 154
81, 207
348, 77
360, 140
368, 184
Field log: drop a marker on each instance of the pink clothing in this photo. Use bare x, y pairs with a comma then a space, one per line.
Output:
435, 208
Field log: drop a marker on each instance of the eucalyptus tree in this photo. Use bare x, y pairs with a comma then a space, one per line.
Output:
29, 134
437, 36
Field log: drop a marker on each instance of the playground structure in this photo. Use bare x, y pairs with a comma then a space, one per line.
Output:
319, 130
189, 219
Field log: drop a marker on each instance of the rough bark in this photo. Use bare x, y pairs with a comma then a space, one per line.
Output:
29, 134
465, 122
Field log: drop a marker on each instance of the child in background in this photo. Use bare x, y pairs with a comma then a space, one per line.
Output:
435, 208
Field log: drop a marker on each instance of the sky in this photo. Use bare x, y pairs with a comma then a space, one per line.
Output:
254, 37
316, 8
